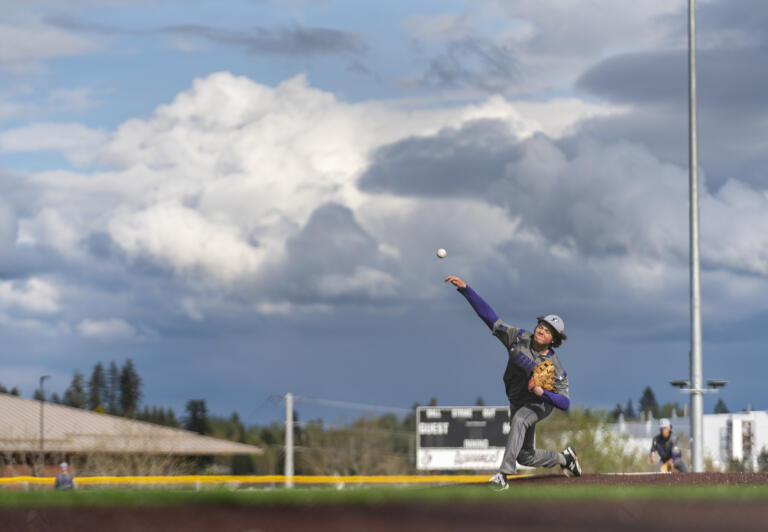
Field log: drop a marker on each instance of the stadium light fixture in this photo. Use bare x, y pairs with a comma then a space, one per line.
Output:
685, 386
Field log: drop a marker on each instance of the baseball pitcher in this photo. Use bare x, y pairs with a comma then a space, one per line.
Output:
535, 382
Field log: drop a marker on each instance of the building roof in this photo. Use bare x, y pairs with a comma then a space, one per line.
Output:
73, 430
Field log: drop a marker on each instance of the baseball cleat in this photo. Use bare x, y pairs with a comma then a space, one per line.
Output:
499, 481
572, 468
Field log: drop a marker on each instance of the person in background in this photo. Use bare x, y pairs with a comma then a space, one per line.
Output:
64, 480
667, 448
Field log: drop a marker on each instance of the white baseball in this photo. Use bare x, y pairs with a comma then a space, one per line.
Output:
441, 253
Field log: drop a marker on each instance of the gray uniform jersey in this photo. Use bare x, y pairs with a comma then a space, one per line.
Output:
522, 360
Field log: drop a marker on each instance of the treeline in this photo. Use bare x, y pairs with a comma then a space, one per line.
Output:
649, 405
115, 390
12, 391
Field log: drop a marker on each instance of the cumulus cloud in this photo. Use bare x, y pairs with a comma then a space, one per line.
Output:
238, 204
293, 198
217, 182
599, 199
109, 329
75, 141
34, 295
184, 241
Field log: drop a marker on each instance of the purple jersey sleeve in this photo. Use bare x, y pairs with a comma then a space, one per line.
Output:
560, 401
482, 308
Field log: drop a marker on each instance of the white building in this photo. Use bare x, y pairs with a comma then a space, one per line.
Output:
736, 436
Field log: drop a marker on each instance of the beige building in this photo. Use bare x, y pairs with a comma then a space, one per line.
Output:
73, 434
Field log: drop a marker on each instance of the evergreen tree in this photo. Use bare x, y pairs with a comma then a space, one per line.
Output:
670, 409
113, 389
241, 465
15, 391
38, 395
613, 415
97, 387
170, 418
648, 402
762, 461
130, 390
197, 416
237, 428
55, 399
720, 407
76, 395
629, 410
3, 389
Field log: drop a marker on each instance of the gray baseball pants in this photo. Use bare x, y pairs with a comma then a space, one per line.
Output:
520, 440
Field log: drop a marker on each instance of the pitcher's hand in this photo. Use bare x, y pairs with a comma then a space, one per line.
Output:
455, 281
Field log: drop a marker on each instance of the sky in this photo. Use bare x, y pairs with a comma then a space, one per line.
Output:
246, 201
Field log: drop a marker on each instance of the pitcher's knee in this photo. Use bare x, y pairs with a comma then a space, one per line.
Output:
525, 457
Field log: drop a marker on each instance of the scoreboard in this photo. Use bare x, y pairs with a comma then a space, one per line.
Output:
461, 437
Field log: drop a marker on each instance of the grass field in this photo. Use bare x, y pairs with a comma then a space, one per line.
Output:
374, 496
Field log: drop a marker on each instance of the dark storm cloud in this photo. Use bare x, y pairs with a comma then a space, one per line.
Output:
328, 252
728, 22
555, 194
332, 239
732, 95
295, 41
731, 79
454, 162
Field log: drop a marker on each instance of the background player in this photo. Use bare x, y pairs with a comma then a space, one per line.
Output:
668, 449
527, 406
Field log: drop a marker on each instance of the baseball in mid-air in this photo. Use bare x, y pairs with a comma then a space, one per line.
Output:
441, 253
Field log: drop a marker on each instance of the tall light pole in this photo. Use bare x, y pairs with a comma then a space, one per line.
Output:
289, 440
697, 416
42, 437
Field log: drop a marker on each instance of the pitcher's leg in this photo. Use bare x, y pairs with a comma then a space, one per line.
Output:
528, 456
522, 419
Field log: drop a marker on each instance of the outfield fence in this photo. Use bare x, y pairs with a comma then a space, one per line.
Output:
236, 480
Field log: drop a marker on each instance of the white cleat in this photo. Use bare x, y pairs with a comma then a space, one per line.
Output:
499, 481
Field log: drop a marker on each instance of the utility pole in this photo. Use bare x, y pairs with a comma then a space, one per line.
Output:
41, 459
289, 440
697, 415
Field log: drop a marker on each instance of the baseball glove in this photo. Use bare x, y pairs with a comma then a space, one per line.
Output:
543, 375
667, 467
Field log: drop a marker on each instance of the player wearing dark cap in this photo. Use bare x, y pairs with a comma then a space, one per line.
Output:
528, 406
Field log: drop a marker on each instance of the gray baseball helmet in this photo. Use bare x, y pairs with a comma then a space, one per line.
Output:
556, 322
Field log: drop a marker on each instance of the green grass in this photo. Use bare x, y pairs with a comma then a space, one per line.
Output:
372, 496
